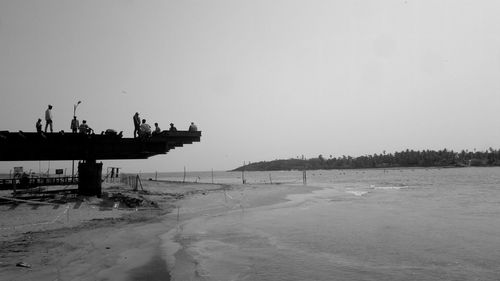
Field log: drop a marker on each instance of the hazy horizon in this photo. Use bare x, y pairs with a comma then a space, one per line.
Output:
263, 80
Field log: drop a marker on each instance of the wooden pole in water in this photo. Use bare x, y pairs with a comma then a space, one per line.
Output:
304, 175
212, 175
243, 173
156, 175
184, 178
140, 183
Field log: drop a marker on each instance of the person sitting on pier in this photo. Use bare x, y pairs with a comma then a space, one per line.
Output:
109, 132
172, 128
75, 124
157, 130
192, 127
84, 128
144, 130
38, 125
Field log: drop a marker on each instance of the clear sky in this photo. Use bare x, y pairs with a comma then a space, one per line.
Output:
263, 79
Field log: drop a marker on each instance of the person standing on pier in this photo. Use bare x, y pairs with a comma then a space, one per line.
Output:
48, 118
137, 124
74, 125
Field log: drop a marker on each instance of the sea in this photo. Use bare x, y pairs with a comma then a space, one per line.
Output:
375, 224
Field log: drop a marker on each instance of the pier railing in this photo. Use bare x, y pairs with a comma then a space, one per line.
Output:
23, 183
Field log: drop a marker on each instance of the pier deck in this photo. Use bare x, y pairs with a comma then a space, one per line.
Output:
21, 146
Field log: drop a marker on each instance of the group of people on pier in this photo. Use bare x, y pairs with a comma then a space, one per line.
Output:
80, 128
75, 125
141, 128
48, 121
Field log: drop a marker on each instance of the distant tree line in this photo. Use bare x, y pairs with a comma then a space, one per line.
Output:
407, 158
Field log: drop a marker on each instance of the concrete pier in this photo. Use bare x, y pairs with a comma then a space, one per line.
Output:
30, 146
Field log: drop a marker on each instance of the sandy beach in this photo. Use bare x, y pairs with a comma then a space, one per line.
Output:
88, 238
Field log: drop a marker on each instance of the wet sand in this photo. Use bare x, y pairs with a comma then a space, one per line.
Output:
90, 238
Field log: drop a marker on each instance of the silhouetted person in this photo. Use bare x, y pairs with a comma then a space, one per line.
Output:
38, 125
137, 124
145, 129
172, 128
192, 127
157, 130
84, 128
74, 125
48, 118
110, 132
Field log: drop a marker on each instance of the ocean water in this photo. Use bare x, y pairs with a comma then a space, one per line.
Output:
409, 224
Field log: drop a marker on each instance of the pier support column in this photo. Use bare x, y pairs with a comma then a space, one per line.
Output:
89, 178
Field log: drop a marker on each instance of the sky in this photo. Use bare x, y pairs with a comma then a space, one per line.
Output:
262, 79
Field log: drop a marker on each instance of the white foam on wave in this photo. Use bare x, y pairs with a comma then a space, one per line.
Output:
388, 187
357, 192
314, 196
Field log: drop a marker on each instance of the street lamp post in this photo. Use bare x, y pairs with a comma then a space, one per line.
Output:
73, 164
75, 106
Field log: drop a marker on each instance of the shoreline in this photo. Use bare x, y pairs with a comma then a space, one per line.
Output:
87, 237
242, 199
372, 168
95, 239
